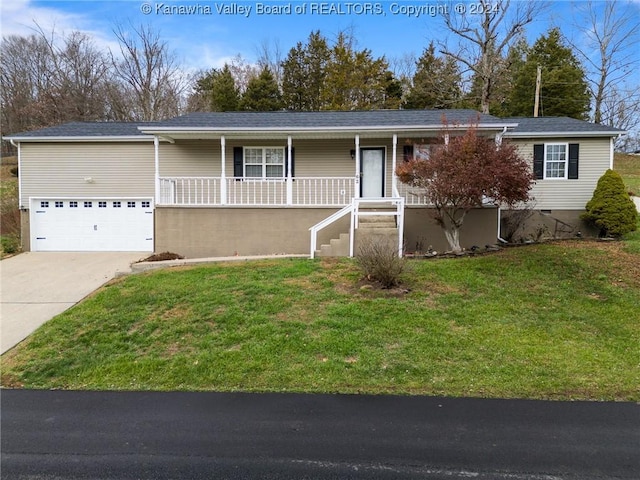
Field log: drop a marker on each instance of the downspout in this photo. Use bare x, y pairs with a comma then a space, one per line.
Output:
17, 145
223, 171
611, 152
354, 204
289, 176
156, 153
394, 161
500, 239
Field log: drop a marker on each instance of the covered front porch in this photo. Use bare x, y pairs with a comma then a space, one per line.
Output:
279, 172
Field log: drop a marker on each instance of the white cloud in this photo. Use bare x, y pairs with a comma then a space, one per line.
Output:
22, 17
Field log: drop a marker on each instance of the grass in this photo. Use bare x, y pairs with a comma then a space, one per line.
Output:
552, 321
629, 167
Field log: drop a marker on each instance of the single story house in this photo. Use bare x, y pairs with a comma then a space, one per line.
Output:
248, 183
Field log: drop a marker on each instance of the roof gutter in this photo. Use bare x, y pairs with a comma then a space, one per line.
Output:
94, 138
563, 134
290, 130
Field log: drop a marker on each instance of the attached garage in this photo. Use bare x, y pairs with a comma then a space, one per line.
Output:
92, 224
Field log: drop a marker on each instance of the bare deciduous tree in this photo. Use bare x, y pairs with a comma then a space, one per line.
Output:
608, 47
242, 72
485, 35
47, 78
152, 80
270, 56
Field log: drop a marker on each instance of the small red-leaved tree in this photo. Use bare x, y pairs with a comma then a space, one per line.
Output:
464, 171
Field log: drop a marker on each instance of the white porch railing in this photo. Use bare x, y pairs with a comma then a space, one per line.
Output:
412, 195
189, 191
304, 191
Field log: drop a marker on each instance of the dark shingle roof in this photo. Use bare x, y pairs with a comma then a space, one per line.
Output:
556, 125
326, 119
87, 129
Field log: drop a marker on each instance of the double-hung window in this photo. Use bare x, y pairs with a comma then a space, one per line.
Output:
555, 160
264, 162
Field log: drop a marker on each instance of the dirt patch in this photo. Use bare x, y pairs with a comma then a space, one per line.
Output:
364, 286
159, 257
10, 381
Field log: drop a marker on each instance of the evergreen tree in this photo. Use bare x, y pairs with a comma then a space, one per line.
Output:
393, 92
355, 80
262, 93
564, 89
318, 77
436, 83
340, 85
611, 210
304, 74
224, 93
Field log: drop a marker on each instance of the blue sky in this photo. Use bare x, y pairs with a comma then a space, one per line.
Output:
206, 38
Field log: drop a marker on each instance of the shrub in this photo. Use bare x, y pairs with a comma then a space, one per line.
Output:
10, 244
611, 210
379, 261
514, 223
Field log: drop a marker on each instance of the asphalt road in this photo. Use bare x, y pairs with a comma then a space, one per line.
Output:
134, 435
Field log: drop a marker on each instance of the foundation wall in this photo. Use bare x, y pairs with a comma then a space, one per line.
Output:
421, 231
212, 232
534, 225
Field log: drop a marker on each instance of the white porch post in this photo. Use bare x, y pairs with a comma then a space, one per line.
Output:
223, 171
394, 161
289, 177
156, 153
356, 193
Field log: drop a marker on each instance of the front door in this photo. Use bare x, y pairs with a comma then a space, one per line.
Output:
372, 172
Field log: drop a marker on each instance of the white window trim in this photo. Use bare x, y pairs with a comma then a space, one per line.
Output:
566, 161
264, 162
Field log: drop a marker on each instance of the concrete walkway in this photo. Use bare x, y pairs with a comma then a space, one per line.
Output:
146, 266
36, 286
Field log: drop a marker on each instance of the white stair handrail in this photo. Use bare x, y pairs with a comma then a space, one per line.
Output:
327, 221
354, 210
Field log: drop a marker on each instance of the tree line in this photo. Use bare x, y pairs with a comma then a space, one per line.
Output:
47, 79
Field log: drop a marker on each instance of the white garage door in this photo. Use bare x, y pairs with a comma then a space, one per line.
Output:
117, 225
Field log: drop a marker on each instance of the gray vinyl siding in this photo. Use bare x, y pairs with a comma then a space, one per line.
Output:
59, 170
191, 158
559, 194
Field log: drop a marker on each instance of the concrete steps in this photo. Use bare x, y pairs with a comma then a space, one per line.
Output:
374, 227
337, 247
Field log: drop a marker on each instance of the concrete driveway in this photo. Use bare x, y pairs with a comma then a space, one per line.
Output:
36, 286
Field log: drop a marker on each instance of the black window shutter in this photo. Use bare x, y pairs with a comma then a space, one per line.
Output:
538, 161
407, 153
238, 155
573, 160
293, 162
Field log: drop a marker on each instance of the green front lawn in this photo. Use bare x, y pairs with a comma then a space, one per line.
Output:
555, 321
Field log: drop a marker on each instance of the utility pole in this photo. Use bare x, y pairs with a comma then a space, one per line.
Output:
537, 99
